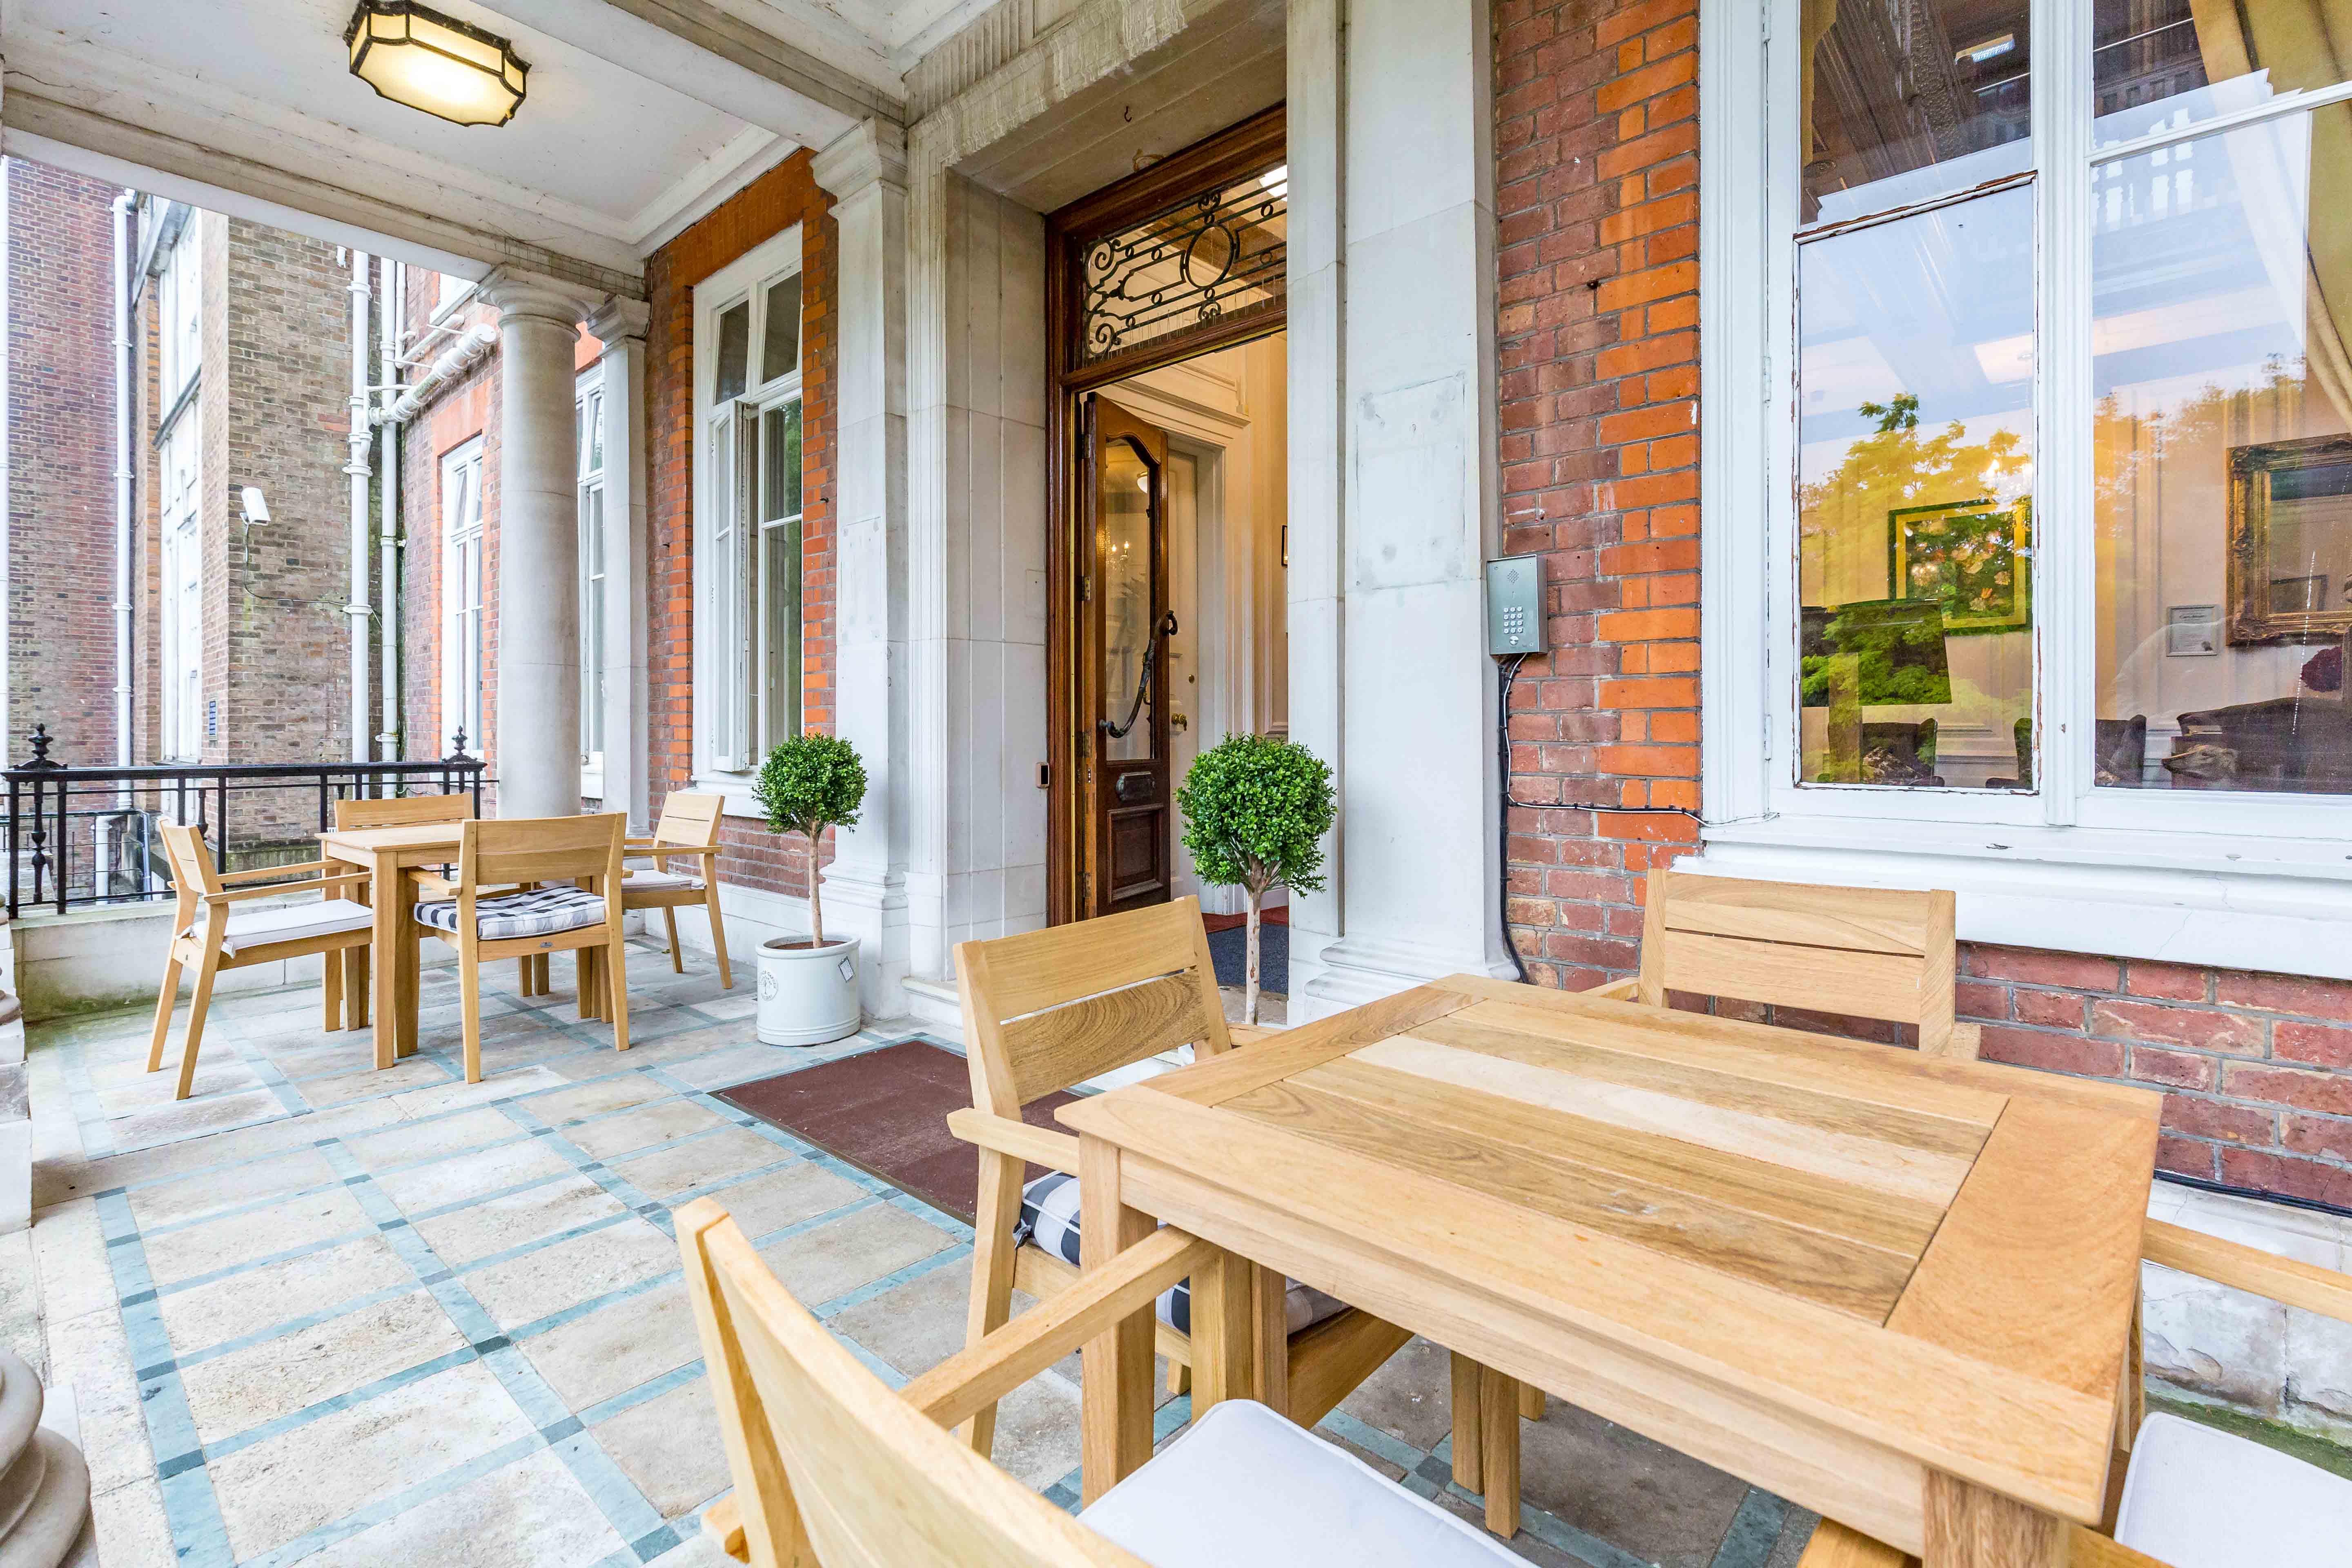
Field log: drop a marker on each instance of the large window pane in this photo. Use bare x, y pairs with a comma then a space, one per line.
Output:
779, 481
780, 631
734, 350
1904, 100
779, 344
1915, 498
2175, 62
2222, 278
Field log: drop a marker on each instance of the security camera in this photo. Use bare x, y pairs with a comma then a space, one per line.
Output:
256, 509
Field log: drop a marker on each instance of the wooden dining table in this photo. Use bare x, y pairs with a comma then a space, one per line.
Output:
1894, 1288
388, 975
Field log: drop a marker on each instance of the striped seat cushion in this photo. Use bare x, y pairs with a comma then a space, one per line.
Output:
288, 923
542, 912
663, 882
1049, 1216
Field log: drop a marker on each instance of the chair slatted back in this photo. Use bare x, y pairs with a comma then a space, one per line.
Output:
404, 810
1867, 953
832, 1468
193, 871
690, 819
543, 849
1049, 1008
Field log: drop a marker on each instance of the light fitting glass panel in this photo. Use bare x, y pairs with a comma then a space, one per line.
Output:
2222, 294
1129, 613
734, 350
2162, 63
780, 343
1915, 499
1905, 99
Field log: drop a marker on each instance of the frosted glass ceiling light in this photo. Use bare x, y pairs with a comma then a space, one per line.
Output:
416, 56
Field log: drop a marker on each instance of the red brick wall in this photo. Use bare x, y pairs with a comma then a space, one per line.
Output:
1596, 140
782, 197
61, 462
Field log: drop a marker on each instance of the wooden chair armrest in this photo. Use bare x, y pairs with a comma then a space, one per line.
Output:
658, 851
1038, 1145
1835, 1546
238, 895
1248, 1034
306, 868
724, 1524
2303, 1285
983, 1374
1627, 990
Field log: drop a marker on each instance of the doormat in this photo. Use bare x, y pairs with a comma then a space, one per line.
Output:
886, 1113
1230, 952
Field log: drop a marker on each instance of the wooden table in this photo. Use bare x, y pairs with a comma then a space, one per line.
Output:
388, 854
1893, 1289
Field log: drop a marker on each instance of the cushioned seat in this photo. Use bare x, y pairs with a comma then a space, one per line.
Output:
2198, 1497
1049, 1216
1242, 1488
251, 927
646, 881
542, 912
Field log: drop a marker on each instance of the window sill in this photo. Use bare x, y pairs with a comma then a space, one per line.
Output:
734, 791
2111, 891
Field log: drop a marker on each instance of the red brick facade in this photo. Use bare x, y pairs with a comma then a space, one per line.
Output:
786, 195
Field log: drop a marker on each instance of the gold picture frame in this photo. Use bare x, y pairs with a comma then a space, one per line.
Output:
2264, 594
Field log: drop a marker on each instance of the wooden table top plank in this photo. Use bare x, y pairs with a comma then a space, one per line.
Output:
1856, 1213
2037, 1263
1807, 1107
1863, 1282
1884, 1074
1294, 1051
1862, 1162
2030, 1439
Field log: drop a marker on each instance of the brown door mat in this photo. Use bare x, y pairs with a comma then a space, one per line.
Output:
886, 1113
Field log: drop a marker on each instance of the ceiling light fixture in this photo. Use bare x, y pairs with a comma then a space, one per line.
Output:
417, 57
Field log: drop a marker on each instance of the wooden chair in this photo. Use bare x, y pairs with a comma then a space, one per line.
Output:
1052, 1008
403, 811
2182, 1495
210, 934
687, 831
832, 1470
550, 914
1867, 953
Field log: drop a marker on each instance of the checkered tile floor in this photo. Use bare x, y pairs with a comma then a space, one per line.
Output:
324, 1314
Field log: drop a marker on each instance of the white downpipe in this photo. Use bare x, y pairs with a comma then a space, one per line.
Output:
462, 356
126, 246
358, 469
388, 523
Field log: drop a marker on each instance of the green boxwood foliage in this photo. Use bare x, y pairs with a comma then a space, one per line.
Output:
807, 785
1255, 811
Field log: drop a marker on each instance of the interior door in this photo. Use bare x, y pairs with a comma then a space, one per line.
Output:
1125, 624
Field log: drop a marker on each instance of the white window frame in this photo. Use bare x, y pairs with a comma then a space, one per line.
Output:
463, 655
179, 299
588, 405
181, 656
727, 618
2134, 872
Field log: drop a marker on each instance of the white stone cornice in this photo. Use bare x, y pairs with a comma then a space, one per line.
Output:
618, 317
874, 151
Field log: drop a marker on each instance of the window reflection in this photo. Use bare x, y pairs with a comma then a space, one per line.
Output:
2157, 63
1916, 484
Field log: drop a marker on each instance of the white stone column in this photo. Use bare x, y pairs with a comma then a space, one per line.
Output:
620, 325
1418, 465
536, 754
866, 885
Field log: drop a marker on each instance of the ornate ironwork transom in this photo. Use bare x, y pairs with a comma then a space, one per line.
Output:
1204, 263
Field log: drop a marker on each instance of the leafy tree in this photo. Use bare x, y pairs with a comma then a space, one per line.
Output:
1255, 811
807, 785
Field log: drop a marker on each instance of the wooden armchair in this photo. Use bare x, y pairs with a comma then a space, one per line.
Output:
2181, 1495
1865, 952
208, 933
540, 856
407, 810
832, 1470
687, 832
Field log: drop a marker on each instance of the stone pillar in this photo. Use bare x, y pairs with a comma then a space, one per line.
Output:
865, 886
1418, 470
535, 753
620, 325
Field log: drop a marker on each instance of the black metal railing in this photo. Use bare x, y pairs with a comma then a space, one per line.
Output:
85, 836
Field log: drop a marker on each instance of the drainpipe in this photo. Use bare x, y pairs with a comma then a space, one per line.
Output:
358, 469
388, 529
126, 246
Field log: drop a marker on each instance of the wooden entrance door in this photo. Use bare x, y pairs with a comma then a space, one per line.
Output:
1124, 627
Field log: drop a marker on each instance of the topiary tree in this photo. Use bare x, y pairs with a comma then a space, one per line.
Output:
1255, 811
807, 785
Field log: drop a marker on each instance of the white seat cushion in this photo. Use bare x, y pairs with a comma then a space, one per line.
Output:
646, 881
259, 927
542, 912
1243, 1487
1049, 1216
2198, 1498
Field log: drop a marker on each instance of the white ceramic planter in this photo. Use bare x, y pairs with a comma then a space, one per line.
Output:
808, 995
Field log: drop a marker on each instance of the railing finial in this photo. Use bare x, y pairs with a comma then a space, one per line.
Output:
41, 741
457, 747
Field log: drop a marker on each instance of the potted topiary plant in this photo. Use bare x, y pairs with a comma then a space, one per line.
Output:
1255, 811
808, 989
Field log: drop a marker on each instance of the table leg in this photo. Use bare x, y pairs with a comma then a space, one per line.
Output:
1225, 1331
1498, 1450
1469, 1472
1969, 1527
1270, 1339
1116, 1420
384, 887
404, 961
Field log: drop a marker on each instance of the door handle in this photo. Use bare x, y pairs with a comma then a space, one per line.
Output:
1178, 722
